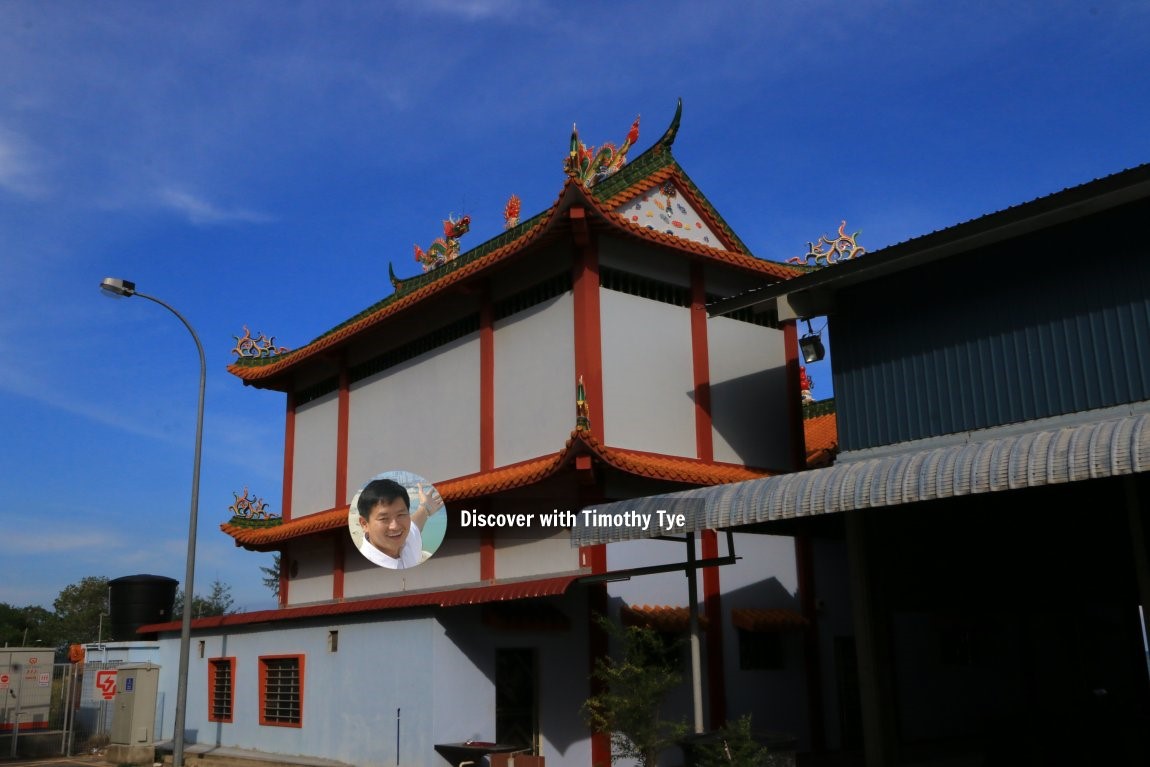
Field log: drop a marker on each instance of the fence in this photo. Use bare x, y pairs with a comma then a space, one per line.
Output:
62, 709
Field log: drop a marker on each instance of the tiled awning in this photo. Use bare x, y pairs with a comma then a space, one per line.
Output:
469, 595
666, 618
1007, 458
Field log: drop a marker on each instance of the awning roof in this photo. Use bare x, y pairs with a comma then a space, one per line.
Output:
1096, 449
468, 595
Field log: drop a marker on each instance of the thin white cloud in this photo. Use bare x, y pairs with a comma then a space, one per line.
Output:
19, 172
204, 213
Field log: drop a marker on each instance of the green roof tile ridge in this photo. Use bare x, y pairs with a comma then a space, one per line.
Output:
409, 284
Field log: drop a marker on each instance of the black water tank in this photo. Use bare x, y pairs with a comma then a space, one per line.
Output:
137, 600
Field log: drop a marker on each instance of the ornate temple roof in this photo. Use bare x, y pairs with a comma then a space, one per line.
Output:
689, 471
820, 429
649, 199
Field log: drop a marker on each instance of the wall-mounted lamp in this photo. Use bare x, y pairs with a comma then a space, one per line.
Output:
811, 346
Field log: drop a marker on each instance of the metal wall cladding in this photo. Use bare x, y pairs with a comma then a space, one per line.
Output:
1052, 323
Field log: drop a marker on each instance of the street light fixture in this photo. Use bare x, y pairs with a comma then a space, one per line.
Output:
125, 288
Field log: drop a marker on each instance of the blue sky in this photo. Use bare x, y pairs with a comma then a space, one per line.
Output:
261, 162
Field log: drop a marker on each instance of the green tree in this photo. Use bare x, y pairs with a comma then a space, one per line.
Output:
219, 601
732, 746
272, 575
78, 610
635, 687
24, 626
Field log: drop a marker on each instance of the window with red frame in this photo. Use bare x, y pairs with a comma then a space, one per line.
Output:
281, 690
221, 689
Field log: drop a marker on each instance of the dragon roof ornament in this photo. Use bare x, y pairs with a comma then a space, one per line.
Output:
444, 248
589, 165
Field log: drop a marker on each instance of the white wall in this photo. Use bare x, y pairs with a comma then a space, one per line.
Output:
420, 416
312, 565
748, 393
534, 381
648, 379
431, 672
313, 460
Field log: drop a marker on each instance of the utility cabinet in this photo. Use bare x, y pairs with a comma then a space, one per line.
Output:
134, 717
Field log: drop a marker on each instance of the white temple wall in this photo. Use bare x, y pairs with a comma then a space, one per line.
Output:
421, 416
648, 380
645, 261
313, 457
748, 393
534, 381
309, 570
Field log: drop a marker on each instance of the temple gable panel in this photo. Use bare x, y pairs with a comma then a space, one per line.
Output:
421, 415
648, 381
664, 209
534, 380
314, 455
748, 393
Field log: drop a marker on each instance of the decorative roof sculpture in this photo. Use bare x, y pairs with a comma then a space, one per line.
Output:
511, 212
841, 248
444, 248
590, 165
680, 216
260, 346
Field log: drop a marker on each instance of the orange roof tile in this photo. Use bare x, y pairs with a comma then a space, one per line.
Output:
822, 437
536, 229
666, 618
689, 471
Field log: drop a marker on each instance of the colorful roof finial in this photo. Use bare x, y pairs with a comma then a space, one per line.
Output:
590, 166
842, 248
511, 212
444, 248
260, 346
250, 508
806, 383
582, 412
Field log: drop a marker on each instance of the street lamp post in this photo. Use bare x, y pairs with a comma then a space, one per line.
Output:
125, 288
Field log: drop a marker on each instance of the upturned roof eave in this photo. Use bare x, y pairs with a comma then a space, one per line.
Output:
675, 469
275, 373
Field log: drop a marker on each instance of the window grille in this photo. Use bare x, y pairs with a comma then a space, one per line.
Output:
281, 691
221, 689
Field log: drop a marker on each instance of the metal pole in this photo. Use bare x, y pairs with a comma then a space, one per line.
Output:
696, 659
190, 571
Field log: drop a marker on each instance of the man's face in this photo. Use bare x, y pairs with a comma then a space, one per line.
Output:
387, 526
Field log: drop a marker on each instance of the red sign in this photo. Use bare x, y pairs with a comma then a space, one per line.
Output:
106, 682
3, 680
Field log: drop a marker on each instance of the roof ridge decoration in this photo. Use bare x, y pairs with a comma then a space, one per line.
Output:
582, 412
841, 248
445, 248
589, 165
260, 346
252, 512
511, 212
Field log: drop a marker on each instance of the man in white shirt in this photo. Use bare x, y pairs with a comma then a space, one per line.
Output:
392, 534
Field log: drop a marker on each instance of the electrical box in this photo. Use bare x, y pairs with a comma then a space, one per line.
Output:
134, 717
25, 688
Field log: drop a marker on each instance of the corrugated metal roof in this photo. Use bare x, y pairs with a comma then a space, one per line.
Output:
1106, 448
